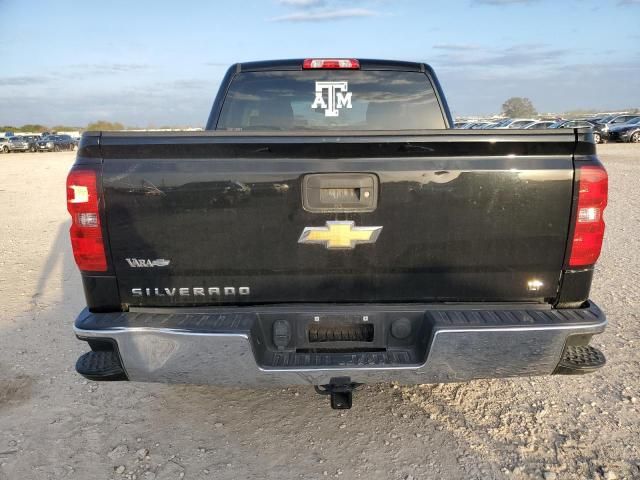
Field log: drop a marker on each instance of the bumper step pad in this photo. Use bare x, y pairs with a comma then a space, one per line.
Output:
101, 366
578, 360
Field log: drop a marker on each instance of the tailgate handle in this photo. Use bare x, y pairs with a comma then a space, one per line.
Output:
340, 192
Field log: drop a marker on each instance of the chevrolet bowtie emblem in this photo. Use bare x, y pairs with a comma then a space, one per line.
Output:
339, 235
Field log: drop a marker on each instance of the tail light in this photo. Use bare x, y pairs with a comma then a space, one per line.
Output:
86, 233
331, 63
593, 185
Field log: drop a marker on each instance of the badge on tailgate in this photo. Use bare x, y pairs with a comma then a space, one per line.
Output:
339, 235
147, 262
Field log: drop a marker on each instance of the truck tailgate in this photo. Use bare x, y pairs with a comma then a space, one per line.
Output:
214, 218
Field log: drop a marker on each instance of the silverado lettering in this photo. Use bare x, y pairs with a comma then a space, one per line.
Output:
400, 250
189, 291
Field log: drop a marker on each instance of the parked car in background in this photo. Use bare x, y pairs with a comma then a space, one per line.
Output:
4, 145
600, 134
539, 125
18, 144
470, 125
520, 123
67, 140
508, 122
626, 132
32, 141
597, 119
45, 144
613, 121
499, 123
604, 119
600, 130
464, 125
573, 124
481, 126
619, 119
56, 143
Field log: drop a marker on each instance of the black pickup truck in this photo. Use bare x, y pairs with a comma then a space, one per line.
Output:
330, 228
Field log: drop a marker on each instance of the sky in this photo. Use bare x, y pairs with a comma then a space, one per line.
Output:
155, 63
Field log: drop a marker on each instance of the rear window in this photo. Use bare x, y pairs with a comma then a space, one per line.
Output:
330, 100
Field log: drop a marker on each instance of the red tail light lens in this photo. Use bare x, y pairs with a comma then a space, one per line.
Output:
86, 233
331, 63
593, 184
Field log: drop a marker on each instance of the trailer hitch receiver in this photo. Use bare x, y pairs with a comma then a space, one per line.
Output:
340, 390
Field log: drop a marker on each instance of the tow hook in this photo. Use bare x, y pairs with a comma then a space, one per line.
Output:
341, 392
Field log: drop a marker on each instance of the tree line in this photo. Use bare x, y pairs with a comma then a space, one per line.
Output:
97, 125
36, 128
514, 107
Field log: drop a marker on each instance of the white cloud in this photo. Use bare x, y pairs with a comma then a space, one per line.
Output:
325, 15
505, 2
303, 3
455, 47
517, 56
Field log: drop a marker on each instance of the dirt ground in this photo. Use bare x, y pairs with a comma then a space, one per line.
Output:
54, 424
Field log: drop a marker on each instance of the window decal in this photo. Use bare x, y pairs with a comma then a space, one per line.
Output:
337, 96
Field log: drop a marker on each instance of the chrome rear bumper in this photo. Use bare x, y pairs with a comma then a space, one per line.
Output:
232, 346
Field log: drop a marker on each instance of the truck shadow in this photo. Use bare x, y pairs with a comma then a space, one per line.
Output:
60, 256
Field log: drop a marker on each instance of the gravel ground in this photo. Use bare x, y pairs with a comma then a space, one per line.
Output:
54, 424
